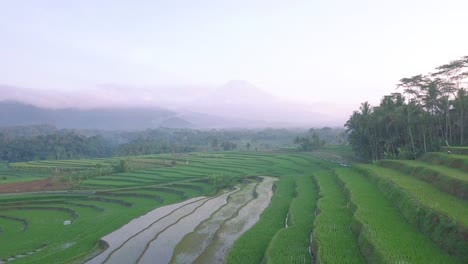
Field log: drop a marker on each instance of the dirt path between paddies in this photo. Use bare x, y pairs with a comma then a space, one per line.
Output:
233, 228
160, 248
118, 238
193, 244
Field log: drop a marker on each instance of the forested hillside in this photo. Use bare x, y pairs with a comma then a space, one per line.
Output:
427, 112
45, 142
61, 145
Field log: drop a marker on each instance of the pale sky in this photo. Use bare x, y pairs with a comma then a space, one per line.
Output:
344, 52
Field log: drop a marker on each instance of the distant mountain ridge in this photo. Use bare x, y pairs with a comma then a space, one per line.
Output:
236, 104
238, 92
16, 113
241, 99
19, 114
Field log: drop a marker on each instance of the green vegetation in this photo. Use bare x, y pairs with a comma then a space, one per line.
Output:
60, 145
251, 247
103, 203
96, 213
383, 234
463, 150
432, 112
401, 212
317, 138
292, 243
446, 179
441, 216
27, 143
425, 193
448, 160
333, 241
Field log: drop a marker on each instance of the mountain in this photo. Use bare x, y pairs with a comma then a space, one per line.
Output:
176, 122
16, 113
240, 99
204, 120
27, 131
238, 92
106, 96
19, 114
237, 104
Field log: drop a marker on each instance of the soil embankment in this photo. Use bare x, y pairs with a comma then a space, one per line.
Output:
48, 184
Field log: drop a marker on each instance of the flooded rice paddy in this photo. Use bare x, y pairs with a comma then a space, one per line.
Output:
199, 230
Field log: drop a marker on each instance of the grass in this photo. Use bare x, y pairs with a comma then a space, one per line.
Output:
195, 243
456, 150
383, 234
108, 202
251, 246
41, 224
449, 160
9, 179
445, 171
292, 244
94, 224
441, 216
127, 195
333, 241
8, 175
446, 179
425, 193
91, 224
12, 225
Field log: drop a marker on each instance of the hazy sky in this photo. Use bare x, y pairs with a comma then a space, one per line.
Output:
313, 51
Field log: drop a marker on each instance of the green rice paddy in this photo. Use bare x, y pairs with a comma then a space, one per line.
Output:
320, 212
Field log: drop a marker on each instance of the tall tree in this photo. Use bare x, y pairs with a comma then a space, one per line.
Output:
430, 113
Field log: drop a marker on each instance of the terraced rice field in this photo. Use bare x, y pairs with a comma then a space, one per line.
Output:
382, 233
333, 240
251, 247
239, 207
241, 221
292, 243
195, 243
451, 180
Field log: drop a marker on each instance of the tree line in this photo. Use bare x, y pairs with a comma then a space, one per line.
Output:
60, 145
427, 112
26, 143
316, 138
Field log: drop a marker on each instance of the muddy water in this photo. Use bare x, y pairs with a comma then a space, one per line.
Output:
152, 238
196, 242
119, 237
160, 250
233, 228
133, 248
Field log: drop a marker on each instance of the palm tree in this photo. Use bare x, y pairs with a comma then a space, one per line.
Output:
460, 102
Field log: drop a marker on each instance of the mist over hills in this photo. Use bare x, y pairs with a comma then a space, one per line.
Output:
237, 104
16, 113
240, 99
